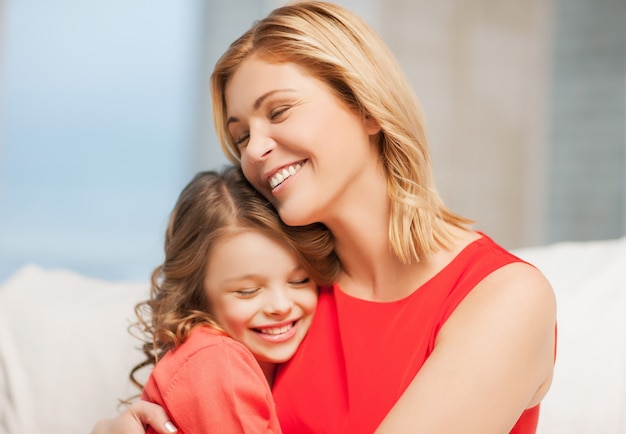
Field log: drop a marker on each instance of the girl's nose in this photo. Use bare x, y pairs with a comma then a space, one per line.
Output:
279, 303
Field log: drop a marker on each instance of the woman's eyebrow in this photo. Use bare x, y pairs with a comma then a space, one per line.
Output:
259, 101
263, 97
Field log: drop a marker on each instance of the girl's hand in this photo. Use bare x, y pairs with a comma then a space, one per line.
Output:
135, 419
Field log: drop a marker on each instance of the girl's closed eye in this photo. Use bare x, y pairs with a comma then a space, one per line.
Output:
247, 292
301, 281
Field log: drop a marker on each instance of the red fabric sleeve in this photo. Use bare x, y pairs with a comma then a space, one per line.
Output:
219, 388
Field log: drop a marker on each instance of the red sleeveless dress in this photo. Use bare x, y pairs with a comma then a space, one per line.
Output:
359, 356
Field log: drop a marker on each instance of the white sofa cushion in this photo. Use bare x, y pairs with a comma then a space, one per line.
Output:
65, 353
588, 393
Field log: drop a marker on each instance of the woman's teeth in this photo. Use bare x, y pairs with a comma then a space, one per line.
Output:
283, 174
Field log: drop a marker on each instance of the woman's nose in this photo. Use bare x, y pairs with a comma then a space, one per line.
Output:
260, 145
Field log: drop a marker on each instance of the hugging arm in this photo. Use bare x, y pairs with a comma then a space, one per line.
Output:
493, 359
135, 419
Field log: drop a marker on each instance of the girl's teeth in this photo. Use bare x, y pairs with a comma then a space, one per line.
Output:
276, 330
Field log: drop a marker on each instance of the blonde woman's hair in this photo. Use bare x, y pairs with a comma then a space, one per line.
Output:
340, 49
211, 206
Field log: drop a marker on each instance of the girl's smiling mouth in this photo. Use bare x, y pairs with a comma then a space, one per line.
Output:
277, 334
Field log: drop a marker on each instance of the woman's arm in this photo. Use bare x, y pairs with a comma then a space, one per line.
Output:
135, 419
493, 358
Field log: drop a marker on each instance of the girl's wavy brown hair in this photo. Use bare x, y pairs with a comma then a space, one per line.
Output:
213, 205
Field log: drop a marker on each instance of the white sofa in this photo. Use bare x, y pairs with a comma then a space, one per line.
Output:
65, 352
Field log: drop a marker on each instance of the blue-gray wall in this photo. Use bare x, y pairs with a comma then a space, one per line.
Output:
587, 176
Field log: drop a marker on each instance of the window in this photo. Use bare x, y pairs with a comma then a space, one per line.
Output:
104, 117
98, 104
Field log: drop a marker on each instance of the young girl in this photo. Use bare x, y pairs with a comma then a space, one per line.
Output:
233, 298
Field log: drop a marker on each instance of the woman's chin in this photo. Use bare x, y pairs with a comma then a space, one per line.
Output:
294, 218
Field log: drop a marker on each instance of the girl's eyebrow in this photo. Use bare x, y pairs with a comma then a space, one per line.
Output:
250, 276
258, 102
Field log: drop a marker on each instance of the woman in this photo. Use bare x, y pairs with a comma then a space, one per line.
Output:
431, 327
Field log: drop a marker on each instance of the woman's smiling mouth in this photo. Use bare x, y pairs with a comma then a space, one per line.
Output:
280, 176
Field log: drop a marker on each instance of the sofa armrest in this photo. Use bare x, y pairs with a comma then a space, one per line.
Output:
65, 352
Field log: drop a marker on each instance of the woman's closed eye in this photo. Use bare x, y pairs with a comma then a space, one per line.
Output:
279, 113
241, 140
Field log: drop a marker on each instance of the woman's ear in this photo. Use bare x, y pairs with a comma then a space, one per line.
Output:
371, 125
